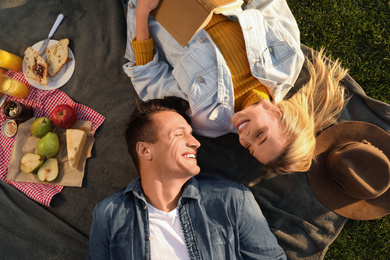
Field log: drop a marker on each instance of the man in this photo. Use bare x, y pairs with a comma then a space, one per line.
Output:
169, 212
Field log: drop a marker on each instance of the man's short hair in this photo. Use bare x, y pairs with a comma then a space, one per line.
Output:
140, 127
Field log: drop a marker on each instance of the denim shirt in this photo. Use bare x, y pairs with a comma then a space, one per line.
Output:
220, 220
199, 74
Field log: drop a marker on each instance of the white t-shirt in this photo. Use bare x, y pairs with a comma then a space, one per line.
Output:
166, 235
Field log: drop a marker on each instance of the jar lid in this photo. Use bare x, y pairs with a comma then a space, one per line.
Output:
10, 127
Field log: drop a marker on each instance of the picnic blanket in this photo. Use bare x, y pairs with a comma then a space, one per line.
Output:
97, 34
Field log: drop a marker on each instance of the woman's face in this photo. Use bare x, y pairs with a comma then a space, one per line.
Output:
259, 130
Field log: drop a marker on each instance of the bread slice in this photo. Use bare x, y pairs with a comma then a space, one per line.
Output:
57, 56
36, 67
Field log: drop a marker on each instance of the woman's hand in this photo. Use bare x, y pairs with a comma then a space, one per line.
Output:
144, 7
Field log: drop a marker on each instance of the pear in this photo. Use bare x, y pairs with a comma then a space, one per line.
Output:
41, 126
30, 162
49, 145
49, 170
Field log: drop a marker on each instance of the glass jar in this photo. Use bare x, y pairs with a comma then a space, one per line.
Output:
14, 110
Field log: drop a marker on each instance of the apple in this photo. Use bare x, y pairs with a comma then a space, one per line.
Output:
64, 116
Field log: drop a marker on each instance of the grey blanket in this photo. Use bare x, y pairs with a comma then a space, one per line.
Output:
97, 32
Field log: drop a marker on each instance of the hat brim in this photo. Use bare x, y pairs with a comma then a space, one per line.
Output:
327, 191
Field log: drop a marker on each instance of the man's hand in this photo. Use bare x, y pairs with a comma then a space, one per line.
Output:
144, 7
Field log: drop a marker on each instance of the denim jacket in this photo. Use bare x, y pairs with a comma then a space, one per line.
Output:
199, 74
220, 220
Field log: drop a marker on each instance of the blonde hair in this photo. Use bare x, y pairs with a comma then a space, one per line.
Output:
313, 108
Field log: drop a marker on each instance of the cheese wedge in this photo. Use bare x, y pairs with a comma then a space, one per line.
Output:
75, 142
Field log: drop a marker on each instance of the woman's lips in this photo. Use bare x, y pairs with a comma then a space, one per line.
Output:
240, 126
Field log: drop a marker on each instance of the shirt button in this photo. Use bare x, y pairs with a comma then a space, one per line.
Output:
145, 207
202, 39
201, 80
131, 5
226, 98
271, 50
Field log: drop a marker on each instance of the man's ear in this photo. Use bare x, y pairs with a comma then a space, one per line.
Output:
143, 151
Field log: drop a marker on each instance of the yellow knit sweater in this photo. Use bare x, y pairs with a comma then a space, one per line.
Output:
227, 35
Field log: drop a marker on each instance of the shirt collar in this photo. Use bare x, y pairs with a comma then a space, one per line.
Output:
190, 190
135, 187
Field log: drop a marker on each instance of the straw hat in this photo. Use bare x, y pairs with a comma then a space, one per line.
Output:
352, 173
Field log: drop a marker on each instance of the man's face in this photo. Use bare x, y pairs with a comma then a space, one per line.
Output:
175, 150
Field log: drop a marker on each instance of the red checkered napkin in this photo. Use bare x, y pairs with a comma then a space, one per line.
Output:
43, 102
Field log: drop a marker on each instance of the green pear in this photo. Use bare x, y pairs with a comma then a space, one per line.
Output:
49, 170
30, 162
49, 145
41, 126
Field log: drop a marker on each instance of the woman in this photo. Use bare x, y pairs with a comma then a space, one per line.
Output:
282, 135
245, 62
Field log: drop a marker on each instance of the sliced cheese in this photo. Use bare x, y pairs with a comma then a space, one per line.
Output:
75, 142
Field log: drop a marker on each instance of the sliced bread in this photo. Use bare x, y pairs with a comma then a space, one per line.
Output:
36, 67
57, 56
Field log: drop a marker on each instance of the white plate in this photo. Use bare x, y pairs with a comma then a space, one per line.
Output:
62, 77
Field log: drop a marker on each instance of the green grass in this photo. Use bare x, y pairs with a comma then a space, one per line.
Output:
357, 32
